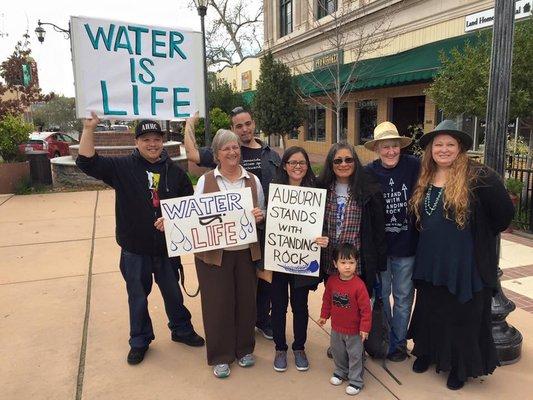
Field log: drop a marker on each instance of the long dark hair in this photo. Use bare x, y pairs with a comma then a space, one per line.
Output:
327, 176
282, 177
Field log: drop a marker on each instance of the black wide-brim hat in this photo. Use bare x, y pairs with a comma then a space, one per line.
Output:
447, 127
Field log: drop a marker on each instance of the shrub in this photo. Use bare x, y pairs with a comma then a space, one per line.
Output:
13, 131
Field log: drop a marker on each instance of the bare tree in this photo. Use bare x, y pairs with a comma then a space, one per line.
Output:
234, 30
351, 29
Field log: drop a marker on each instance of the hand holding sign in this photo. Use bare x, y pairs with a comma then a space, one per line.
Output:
208, 221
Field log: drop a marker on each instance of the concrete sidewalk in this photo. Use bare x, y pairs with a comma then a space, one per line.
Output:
64, 324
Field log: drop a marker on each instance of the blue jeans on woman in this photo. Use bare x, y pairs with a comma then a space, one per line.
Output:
398, 278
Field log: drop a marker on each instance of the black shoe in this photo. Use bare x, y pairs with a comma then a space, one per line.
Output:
267, 332
328, 353
136, 355
421, 364
454, 383
397, 355
192, 339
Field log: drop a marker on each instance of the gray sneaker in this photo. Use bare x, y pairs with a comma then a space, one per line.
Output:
300, 359
280, 361
221, 370
247, 361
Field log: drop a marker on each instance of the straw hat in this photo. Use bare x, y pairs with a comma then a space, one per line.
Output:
387, 131
447, 127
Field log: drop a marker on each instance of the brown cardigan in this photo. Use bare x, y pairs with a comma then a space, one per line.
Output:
214, 257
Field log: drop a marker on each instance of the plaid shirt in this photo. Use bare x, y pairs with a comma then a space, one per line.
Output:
349, 232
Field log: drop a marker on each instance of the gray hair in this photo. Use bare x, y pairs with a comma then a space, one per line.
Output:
222, 137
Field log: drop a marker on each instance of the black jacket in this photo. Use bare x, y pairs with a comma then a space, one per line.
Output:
491, 213
134, 212
372, 231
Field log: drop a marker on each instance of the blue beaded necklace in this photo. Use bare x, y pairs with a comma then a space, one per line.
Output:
428, 208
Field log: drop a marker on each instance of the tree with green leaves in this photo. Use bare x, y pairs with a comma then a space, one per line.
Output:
221, 95
13, 131
218, 119
20, 88
58, 113
461, 85
276, 107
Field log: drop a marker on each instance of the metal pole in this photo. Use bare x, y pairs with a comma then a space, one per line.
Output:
202, 10
507, 339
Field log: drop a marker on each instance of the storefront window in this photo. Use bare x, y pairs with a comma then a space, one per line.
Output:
344, 124
316, 124
368, 116
285, 8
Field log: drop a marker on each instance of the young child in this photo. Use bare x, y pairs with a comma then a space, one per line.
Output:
346, 301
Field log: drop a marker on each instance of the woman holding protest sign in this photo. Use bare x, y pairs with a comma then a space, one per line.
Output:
294, 170
227, 277
355, 213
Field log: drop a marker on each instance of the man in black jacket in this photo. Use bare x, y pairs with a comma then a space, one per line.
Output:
140, 180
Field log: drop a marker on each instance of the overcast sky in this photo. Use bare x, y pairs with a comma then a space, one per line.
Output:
53, 56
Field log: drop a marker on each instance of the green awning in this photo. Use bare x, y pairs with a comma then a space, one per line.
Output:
248, 97
419, 64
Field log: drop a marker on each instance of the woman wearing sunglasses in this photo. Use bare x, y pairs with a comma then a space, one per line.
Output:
354, 213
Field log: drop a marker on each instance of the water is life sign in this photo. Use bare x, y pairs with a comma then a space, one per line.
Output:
294, 220
132, 71
208, 221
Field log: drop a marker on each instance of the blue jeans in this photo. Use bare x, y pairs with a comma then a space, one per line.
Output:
398, 278
137, 271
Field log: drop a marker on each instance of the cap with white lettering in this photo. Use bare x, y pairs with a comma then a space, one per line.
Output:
147, 126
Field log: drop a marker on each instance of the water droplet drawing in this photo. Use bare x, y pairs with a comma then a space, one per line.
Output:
246, 226
177, 237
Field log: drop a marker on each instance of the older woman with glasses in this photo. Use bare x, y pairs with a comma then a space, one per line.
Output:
354, 213
227, 277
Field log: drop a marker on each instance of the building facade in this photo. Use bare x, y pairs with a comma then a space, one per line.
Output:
388, 53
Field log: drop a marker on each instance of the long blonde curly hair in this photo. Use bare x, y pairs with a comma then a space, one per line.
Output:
456, 191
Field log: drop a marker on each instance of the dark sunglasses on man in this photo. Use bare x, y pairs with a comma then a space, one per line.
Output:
237, 110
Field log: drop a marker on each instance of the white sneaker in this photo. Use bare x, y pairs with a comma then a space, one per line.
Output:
335, 380
221, 370
352, 390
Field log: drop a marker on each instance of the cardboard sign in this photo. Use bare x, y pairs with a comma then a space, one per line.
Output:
208, 221
295, 217
132, 71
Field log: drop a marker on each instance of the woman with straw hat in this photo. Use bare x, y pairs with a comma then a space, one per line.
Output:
460, 207
397, 174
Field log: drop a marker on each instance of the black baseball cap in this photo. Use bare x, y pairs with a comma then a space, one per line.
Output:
147, 126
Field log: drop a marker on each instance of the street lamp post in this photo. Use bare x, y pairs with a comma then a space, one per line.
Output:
40, 32
507, 339
202, 11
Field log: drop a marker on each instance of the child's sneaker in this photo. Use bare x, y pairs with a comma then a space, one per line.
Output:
335, 380
280, 361
221, 370
300, 359
352, 390
247, 361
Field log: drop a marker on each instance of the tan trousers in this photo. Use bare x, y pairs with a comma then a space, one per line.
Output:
228, 306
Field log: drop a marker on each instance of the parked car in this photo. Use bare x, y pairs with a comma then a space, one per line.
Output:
56, 143
120, 128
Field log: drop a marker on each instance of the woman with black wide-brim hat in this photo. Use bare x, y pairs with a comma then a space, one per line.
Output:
460, 207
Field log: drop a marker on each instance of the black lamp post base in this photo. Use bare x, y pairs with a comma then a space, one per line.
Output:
508, 341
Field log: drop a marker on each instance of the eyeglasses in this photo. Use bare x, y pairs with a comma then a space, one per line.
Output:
347, 160
294, 163
237, 110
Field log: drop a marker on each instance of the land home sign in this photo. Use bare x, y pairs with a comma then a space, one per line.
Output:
486, 18
132, 71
